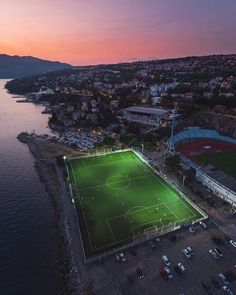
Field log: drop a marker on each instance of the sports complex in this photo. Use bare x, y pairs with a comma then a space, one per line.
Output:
213, 156
121, 201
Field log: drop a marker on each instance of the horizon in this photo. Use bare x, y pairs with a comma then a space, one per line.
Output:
109, 32
121, 62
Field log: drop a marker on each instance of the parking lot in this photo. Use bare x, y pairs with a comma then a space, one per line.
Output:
202, 267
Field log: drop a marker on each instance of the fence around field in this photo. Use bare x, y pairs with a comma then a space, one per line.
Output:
135, 240
148, 233
98, 153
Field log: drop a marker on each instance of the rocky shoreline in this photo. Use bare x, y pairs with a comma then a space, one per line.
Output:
68, 274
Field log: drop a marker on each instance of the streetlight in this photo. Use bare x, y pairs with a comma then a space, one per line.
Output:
142, 145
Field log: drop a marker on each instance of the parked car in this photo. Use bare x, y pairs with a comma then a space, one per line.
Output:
139, 273
191, 230
168, 272
203, 224
233, 243
228, 290
214, 254
223, 278
186, 253
180, 265
163, 274
117, 257
218, 252
177, 270
165, 260
190, 251
122, 257
230, 275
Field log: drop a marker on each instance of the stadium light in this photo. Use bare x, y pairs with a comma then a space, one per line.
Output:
64, 157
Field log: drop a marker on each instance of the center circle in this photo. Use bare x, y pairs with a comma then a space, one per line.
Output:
118, 182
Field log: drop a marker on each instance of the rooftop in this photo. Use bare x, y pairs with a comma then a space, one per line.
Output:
146, 110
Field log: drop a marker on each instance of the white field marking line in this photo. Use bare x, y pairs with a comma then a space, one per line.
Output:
172, 212
177, 198
123, 215
113, 161
153, 221
111, 231
125, 240
105, 184
109, 184
90, 241
165, 205
144, 207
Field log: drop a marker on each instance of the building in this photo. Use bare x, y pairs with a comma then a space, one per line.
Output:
44, 91
145, 115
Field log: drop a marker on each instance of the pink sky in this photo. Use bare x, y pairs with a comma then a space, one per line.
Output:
104, 31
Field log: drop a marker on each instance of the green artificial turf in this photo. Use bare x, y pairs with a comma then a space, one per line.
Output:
224, 161
118, 195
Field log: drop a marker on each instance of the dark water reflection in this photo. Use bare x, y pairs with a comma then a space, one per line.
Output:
27, 230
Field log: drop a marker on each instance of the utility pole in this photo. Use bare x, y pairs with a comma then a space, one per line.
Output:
171, 146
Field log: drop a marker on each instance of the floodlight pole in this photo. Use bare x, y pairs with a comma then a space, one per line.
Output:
142, 145
184, 177
171, 147
67, 170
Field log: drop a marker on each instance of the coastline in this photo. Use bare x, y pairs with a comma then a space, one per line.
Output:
46, 166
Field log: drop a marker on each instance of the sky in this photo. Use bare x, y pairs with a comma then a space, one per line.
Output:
84, 32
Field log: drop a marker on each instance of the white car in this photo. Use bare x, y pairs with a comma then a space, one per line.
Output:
180, 265
186, 253
223, 278
165, 260
203, 224
233, 243
218, 252
214, 254
191, 230
190, 251
122, 257
168, 272
228, 290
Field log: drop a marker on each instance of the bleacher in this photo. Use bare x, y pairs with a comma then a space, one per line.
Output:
191, 133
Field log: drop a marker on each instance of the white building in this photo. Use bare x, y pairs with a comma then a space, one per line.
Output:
155, 99
155, 90
44, 91
145, 115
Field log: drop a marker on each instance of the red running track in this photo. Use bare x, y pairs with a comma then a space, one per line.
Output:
204, 146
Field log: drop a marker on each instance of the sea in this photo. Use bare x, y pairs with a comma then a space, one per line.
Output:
28, 244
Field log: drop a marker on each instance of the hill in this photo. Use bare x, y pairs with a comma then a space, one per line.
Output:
22, 66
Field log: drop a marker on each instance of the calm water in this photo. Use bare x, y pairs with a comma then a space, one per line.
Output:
27, 230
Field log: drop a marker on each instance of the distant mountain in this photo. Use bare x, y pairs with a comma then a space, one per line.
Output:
22, 66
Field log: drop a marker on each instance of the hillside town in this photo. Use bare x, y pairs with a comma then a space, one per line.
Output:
146, 96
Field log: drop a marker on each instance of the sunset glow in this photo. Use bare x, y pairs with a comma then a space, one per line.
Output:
104, 31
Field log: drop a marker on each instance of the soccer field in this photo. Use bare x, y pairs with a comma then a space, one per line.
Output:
224, 161
118, 196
